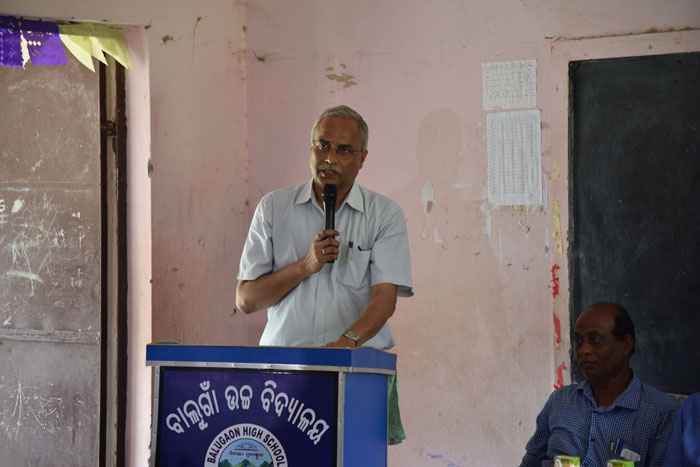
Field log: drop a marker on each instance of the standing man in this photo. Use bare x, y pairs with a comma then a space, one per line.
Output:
286, 262
611, 414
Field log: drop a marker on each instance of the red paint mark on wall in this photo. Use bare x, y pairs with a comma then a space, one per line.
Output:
554, 281
557, 328
560, 376
234, 312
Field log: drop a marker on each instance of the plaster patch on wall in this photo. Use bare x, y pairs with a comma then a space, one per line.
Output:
557, 227
459, 186
526, 228
424, 234
428, 197
344, 78
436, 236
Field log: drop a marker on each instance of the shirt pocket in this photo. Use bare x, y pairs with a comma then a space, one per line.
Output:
355, 272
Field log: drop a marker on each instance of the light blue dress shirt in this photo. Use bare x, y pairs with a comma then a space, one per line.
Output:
571, 423
373, 250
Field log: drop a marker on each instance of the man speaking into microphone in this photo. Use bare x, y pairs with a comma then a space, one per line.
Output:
327, 280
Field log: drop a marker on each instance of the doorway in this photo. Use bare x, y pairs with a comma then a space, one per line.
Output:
62, 265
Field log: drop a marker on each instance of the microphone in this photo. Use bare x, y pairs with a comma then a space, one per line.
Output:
330, 194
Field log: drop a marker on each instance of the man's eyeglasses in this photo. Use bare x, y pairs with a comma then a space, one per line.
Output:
324, 147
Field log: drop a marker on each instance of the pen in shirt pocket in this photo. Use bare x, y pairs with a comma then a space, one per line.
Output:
619, 449
359, 248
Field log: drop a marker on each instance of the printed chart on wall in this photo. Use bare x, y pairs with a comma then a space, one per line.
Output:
514, 136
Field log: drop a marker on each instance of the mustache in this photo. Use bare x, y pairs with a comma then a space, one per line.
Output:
326, 167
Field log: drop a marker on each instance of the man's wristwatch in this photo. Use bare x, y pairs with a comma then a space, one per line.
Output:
352, 336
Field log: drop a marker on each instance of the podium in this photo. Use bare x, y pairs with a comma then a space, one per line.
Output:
218, 406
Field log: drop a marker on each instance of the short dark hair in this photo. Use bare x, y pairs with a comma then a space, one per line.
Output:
623, 325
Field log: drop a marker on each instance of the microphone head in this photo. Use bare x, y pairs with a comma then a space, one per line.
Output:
330, 193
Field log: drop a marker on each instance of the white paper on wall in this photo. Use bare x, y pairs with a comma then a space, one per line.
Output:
509, 85
515, 158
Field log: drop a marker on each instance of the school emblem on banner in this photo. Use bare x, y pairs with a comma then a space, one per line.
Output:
245, 445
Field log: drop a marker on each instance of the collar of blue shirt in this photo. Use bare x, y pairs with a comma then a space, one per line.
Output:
354, 198
629, 399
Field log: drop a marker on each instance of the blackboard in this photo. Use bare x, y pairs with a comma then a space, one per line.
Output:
635, 206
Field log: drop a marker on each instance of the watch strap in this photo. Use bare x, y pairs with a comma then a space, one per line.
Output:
352, 336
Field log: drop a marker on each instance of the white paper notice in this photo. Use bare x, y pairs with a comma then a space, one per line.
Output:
509, 85
515, 158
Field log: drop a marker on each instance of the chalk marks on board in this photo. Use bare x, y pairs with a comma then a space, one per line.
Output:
17, 205
49, 255
28, 408
3, 215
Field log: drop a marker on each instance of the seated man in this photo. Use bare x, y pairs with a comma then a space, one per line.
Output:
684, 447
611, 414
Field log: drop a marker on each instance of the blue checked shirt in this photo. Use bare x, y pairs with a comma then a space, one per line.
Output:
572, 424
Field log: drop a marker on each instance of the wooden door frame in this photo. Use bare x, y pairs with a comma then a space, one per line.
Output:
114, 264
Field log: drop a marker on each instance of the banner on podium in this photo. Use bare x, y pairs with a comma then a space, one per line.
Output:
240, 418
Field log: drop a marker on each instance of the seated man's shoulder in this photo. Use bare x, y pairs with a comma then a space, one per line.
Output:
657, 399
566, 392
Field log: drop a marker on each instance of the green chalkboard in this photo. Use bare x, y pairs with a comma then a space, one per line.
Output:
635, 205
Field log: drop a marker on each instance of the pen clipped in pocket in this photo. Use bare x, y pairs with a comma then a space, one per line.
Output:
355, 270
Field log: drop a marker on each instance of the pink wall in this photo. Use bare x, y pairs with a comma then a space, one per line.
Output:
230, 103
476, 345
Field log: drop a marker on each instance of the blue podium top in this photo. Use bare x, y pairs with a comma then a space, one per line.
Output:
361, 358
